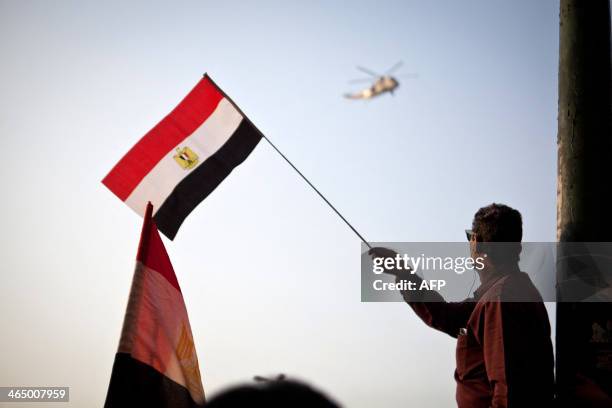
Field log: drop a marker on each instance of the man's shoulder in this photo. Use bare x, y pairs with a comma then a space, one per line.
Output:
513, 287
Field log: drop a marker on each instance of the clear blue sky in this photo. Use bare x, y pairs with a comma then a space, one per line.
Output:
270, 275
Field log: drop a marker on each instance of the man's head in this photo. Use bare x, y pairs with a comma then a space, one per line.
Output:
272, 394
497, 223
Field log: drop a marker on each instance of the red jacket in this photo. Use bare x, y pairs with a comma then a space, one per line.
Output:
504, 351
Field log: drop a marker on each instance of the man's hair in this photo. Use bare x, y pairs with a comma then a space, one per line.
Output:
499, 223
272, 394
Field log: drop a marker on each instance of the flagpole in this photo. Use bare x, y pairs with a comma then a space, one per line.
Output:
291, 164
317, 191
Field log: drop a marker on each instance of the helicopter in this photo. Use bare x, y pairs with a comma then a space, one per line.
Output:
382, 83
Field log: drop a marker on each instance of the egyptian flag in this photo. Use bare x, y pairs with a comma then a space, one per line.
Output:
156, 365
184, 157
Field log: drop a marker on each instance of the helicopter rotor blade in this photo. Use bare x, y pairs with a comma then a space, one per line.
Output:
395, 67
360, 80
367, 71
408, 75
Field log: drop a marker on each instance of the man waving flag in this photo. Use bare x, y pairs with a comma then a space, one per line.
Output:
179, 162
156, 364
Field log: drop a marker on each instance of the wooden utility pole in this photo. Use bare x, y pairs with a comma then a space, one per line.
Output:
584, 191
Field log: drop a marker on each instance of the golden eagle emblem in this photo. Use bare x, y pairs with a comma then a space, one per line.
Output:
186, 158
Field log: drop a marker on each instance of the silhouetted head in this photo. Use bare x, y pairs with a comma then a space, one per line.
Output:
497, 223
272, 394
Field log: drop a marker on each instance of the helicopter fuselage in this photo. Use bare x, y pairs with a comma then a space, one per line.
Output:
380, 84
384, 84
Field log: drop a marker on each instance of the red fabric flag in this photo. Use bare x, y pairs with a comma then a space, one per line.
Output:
156, 363
179, 162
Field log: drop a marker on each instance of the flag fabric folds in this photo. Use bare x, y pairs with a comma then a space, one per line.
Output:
179, 162
156, 363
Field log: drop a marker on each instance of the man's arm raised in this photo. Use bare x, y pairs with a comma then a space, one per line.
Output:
429, 305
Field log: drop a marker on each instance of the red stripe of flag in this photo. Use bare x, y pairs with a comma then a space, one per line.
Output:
190, 113
151, 251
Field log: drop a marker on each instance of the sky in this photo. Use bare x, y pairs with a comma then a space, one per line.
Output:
270, 275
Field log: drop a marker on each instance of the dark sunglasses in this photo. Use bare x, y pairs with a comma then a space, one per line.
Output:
469, 234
